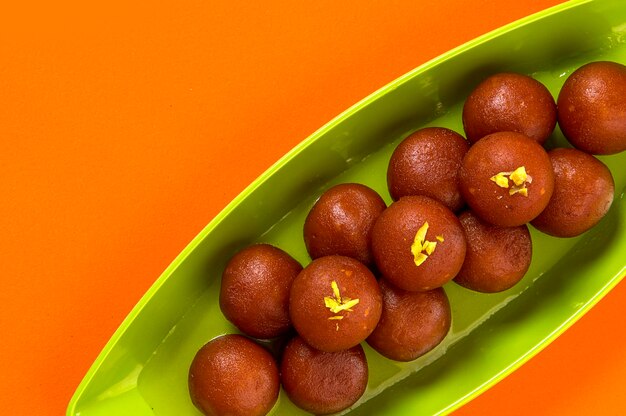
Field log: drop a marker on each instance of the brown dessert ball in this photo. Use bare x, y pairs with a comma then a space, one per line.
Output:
427, 163
506, 179
418, 244
323, 382
509, 102
335, 303
592, 108
412, 323
254, 295
583, 193
497, 257
232, 375
341, 222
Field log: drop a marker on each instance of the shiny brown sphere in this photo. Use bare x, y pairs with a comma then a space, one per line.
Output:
583, 193
509, 102
341, 221
232, 375
592, 108
403, 257
335, 303
488, 184
323, 382
427, 163
497, 257
412, 323
254, 295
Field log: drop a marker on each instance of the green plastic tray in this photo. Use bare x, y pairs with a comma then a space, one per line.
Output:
143, 368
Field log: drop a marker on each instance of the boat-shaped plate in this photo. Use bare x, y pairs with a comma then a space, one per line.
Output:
143, 368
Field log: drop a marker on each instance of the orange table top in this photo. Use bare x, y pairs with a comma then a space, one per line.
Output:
125, 129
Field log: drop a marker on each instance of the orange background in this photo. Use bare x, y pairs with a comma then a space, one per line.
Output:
125, 129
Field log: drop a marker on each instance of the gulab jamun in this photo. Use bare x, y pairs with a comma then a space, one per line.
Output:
418, 244
323, 382
341, 221
335, 303
583, 193
506, 179
427, 163
497, 257
592, 108
509, 102
254, 295
232, 375
412, 323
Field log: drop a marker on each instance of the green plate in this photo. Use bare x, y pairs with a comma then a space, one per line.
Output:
143, 368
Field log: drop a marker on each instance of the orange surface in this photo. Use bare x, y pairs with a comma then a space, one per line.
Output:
125, 129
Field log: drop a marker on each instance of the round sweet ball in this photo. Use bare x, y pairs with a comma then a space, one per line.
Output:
412, 323
418, 244
497, 257
254, 295
232, 375
323, 382
592, 109
341, 221
509, 102
583, 194
427, 163
506, 179
335, 303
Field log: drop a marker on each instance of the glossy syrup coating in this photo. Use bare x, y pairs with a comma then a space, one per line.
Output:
323, 382
509, 102
254, 294
427, 163
583, 194
412, 323
341, 222
489, 188
335, 303
592, 108
232, 375
402, 255
497, 257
